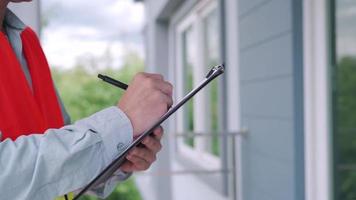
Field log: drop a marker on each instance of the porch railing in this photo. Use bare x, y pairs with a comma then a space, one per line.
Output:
229, 150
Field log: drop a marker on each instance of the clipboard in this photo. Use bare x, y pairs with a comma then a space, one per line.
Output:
116, 164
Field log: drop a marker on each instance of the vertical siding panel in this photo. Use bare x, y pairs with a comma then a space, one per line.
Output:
271, 97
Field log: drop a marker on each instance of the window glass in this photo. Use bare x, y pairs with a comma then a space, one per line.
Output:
200, 48
344, 100
188, 60
212, 50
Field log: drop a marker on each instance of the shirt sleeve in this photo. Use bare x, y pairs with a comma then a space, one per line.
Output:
105, 189
62, 160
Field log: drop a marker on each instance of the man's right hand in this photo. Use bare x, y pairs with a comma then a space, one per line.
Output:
147, 98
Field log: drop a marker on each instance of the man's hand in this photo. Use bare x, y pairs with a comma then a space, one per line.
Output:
141, 158
147, 98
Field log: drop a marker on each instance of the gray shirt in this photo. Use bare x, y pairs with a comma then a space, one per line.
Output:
45, 166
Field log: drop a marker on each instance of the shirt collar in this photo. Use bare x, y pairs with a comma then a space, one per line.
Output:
12, 21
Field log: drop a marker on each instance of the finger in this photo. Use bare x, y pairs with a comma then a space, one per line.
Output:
163, 99
164, 86
139, 163
152, 144
128, 167
158, 133
167, 88
168, 100
144, 153
155, 76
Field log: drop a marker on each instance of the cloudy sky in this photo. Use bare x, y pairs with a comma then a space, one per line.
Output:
83, 29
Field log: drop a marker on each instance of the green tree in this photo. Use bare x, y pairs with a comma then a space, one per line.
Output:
345, 128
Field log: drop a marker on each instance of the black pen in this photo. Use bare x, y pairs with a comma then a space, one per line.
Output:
113, 82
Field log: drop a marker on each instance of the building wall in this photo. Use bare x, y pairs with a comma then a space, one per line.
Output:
268, 73
29, 13
271, 87
156, 35
157, 7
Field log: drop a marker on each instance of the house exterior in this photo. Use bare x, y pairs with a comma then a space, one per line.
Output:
282, 94
279, 124
29, 12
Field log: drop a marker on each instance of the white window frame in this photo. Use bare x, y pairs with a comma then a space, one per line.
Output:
318, 149
198, 155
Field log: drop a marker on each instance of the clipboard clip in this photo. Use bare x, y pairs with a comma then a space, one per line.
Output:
215, 71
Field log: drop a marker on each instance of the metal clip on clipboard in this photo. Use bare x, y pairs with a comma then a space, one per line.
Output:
116, 164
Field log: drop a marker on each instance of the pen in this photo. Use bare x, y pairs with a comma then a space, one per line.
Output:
113, 82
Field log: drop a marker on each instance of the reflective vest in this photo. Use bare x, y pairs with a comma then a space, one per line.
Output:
70, 197
27, 111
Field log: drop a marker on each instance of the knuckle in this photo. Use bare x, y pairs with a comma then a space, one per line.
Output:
170, 86
149, 141
159, 130
170, 101
141, 154
151, 159
160, 76
149, 82
140, 76
157, 95
147, 145
159, 146
140, 167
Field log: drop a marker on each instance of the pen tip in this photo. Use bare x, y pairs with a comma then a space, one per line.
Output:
100, 76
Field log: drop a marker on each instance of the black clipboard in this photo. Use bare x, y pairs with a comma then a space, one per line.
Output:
115, 165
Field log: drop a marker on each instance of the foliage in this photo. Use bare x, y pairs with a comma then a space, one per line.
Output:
215, 142
125, 191
345, 128
190, 107
84, 94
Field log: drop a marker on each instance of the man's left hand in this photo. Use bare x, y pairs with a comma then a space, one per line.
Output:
141, 158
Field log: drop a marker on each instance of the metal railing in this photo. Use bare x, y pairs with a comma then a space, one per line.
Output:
227, 155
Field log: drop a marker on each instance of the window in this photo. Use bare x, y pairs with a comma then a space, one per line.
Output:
188, 60
212, 47
344, 100
198, 38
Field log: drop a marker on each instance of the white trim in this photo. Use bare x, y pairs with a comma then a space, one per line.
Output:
208, 9
206, 161
194, 20
318, 151
186, 23
203, 8
233, 86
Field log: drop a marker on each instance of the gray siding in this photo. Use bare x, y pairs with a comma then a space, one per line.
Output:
268, 100
156, 8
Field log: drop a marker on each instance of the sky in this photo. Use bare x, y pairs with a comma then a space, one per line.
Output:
81, 31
